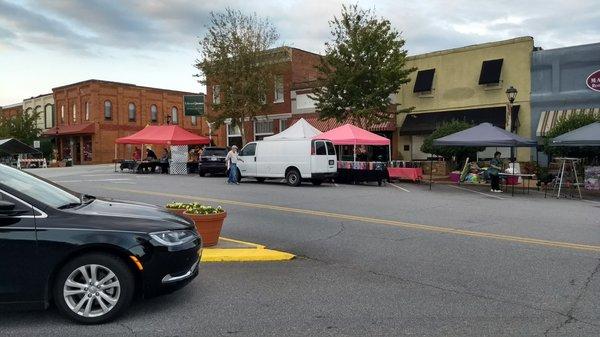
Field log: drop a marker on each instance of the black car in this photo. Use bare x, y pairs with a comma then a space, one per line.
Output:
212, 161
90, 256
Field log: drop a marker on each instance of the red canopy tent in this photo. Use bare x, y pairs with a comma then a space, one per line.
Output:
349, 134
163, 134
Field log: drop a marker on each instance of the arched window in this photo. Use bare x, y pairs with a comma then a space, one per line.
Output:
40, 119
62, 113
131, 112
107, 110
48, 116
153, 113
87, 111
74, 111
174, 115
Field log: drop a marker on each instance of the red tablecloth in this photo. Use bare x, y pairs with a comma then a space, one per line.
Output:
413, 174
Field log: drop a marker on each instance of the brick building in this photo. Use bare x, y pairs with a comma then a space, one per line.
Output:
92, 114
294, 66
11, 110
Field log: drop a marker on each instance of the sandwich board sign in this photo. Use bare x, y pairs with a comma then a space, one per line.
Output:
193, 105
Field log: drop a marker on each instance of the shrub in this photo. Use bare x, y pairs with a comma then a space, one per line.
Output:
448, 152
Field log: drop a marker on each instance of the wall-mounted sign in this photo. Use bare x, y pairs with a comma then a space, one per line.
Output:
593, 81
193, 105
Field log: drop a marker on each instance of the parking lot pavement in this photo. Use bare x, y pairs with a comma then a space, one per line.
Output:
371, 261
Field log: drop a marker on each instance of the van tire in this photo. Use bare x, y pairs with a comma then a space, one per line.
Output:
293, 178
317, 182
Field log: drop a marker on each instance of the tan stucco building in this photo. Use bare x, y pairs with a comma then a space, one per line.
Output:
467, 83
44, 105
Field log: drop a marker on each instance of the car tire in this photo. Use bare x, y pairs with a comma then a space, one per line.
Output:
260, 180
72, 291
293, 178
317, 182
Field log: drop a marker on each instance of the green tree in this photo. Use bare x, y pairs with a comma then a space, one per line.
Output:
362, 67
564, 125
235, 56
449, 152
22, 126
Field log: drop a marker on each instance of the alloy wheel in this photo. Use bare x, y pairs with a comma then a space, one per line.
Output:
92, 290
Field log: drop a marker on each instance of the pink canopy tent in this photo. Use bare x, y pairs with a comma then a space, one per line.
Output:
163, 134
349, 134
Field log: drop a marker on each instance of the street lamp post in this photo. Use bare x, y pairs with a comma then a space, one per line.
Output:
511, 94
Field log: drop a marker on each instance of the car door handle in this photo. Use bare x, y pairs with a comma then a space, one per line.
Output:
254, 158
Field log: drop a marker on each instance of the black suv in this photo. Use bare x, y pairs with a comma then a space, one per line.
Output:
90, 256
212, 160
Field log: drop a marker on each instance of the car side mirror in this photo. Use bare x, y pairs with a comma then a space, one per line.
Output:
6, 206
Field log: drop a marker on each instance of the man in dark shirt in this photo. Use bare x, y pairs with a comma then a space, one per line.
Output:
494, 172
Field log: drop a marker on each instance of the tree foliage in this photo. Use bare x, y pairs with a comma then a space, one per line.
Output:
22, 126
448, 152
564, 125
362, 67
235, 55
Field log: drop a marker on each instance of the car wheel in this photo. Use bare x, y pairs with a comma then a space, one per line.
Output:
260, 180
293, 177
93, 288
316, 182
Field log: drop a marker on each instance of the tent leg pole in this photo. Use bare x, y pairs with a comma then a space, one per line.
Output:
430, 172
116, 157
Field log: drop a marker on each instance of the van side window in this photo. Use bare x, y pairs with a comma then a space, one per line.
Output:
330, 149
320, 149
248, 150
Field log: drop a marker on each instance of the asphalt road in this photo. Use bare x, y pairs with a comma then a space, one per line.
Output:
377, 261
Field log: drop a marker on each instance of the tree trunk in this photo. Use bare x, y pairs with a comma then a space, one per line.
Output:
242, 131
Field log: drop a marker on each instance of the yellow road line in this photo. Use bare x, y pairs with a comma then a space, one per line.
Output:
437, 229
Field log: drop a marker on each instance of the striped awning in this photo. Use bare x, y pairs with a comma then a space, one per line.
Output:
550, 118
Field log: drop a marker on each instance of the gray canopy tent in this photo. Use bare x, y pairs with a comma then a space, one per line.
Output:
588, 135
12, 146
484, 134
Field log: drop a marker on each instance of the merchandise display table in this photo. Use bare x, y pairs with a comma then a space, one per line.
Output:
405, 173
513, 179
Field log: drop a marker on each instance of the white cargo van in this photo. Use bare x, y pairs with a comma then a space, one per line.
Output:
295, 160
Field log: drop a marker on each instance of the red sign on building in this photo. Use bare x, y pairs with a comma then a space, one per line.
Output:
593, 81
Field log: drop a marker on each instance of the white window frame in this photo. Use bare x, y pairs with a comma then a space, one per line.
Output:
216, 94
234, 134
174, 115
152, 112
262, 133
278, 85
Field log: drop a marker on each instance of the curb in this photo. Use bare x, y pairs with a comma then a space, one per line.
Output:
242, 251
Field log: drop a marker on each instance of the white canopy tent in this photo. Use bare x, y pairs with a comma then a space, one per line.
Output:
300, 130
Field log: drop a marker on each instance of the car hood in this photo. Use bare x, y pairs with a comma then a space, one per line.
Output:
130, 216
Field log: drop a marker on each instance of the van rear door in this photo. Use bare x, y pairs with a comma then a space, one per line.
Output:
248, 155
318, 159
331, 157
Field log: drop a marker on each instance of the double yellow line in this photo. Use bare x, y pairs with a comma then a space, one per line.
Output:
428, 228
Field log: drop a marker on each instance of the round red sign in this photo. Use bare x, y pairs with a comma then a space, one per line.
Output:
593, 81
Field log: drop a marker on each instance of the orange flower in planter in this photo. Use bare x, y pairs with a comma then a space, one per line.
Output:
209, 221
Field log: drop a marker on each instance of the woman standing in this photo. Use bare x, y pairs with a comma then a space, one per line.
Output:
494, 172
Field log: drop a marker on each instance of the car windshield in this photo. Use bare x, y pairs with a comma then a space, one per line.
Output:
215, 152
36, 188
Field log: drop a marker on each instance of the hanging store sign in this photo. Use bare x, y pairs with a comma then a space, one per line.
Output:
193, 105
593, 81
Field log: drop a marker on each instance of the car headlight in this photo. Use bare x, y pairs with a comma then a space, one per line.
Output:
173, 238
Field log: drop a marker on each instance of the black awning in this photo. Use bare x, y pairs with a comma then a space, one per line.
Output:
424, 80
490, 71
425, 123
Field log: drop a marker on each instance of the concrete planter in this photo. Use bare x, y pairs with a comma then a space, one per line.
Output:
208, 226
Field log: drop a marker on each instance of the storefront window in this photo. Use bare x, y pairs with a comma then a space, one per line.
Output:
87, 148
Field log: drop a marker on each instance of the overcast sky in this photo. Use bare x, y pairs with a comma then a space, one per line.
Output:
44, 44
